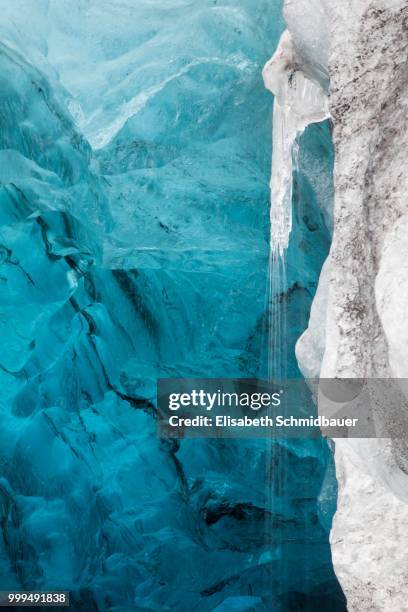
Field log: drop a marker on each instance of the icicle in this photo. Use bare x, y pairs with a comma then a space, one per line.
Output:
298, 101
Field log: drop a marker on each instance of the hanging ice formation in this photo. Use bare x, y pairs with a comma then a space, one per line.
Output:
299, 101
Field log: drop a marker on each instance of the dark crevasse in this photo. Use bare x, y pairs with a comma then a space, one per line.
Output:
147, 256
303, 479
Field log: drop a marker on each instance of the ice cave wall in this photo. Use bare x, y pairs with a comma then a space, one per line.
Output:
358, 325
144, 254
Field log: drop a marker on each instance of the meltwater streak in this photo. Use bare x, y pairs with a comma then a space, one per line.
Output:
277, 349
285, 130
284, 163
298, 102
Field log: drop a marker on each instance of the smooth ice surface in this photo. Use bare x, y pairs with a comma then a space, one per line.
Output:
134, 233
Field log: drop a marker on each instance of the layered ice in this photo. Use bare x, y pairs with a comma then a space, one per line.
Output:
134, 244
117, 267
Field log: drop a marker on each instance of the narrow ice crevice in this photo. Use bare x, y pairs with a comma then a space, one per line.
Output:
299, 101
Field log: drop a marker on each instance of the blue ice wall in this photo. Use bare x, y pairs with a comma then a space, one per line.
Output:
134, 244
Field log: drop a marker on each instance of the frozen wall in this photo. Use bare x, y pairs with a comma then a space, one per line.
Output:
357, 323
134, 243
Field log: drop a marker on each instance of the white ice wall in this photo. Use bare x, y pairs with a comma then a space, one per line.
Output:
358, 325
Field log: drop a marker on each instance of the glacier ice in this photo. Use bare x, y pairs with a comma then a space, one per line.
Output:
134, 236
391, 295
299, 101
357, 327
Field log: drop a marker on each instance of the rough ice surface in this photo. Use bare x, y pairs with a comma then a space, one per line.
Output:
135, 157
308, 22
391, 290
299, 101
359, 317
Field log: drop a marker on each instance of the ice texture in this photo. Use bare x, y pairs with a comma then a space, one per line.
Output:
299, 101
358, 324
134, 233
